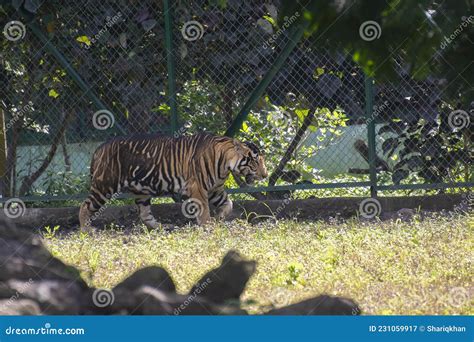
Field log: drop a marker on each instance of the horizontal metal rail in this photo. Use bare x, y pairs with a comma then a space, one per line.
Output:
294, 187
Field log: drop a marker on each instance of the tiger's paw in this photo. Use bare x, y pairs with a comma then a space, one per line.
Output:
168, 228
88, 229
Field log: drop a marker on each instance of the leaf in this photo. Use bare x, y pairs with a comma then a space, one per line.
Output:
301, 113
53, 93
50, 27
265, 25
390, 145
270, 19
84, 39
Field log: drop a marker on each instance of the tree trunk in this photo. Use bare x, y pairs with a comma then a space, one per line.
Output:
227, 97
294, 143
67, 160
10, 175
28, 181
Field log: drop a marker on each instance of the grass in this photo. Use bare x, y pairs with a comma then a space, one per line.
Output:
422, 267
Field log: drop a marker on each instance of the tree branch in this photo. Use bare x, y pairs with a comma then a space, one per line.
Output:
28, 181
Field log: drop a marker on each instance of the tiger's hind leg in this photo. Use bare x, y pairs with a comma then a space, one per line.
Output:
144, 210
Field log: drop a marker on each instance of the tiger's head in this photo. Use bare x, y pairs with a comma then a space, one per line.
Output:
251, 163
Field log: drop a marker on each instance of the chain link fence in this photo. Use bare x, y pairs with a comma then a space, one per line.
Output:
75, 75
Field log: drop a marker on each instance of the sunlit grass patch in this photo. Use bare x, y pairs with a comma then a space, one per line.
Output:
421, 267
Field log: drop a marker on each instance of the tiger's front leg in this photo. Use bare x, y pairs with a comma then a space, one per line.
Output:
222, 202
144, 210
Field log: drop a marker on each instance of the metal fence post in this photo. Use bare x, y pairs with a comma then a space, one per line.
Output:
370, 121
295, 38
71, 71
170, 65
3, 155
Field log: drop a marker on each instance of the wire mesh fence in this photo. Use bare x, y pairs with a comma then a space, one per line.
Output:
84, 72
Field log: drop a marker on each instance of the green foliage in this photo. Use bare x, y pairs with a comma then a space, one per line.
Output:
50, 233
294, 273
63, 183
418, 32
429, 149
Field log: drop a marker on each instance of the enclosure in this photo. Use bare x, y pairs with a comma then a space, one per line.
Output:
73, 76
368, 203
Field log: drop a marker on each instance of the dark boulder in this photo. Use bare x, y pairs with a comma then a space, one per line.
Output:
226, 282
321, 305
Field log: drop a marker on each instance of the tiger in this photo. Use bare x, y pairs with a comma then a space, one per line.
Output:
152, 165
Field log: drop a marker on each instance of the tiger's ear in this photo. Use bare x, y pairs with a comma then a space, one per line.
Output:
254, 150
239, 147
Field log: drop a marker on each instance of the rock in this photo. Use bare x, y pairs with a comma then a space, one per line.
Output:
55, 297
226, 282
321, 305
15, 307
25, 268
106, 302
156, 302
33, 282
152, 276
23, 256
29, 271
148, 300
